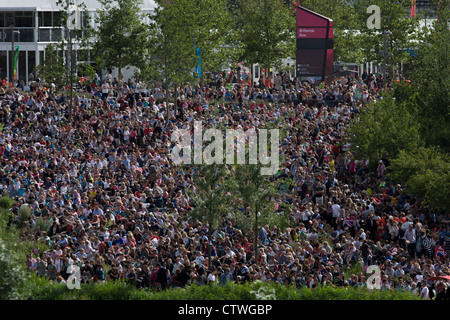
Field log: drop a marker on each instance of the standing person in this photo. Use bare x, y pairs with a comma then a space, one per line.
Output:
52, 271
428, 245
41, 267
336, 213
162, 276
105, 89
424, 293
262, 235
381, 169
410, 240
365, 250
30, 262
226, 276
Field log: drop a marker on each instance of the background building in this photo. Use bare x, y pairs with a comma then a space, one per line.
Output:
32, 25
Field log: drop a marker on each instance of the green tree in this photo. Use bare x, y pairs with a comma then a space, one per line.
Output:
53, 69
355, 42
383, 128
121, 39
209, 196
347, 43
431, 79
254, 196
401, 32
57, 67
182, 26
265, 32
426, 173
177, 29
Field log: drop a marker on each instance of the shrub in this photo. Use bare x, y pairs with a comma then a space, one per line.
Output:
25, 213
231, 291
43, 224
12, 274
5, 203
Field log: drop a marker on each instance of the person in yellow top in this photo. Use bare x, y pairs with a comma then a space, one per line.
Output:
331, 164
293, 236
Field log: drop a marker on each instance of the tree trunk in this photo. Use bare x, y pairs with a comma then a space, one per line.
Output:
167, 103
119, 75
209, 247
175, 105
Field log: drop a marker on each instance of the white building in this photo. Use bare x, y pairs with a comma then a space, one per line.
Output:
35, 25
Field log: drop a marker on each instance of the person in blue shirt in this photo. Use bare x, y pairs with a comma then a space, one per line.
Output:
97, 210
226, 276
118, 240
228, 95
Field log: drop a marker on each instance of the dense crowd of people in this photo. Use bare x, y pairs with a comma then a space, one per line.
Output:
102, 191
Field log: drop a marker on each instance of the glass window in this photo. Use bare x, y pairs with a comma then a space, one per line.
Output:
56, 34
27, 35
56, 19
40, 19
3, 65
2, 20
9, 16
44, 35
24, 22
47, 19
22, 65
31, 65
41, 57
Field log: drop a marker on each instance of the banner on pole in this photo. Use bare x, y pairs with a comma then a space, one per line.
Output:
16, 58
198, 67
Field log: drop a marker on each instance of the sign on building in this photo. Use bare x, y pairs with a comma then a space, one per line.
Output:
314, 45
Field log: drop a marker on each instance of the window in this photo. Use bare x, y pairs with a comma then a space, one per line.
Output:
44, 35
24, 22
56, 34
2, 20
56, 19
9, 17
41, 57
47, 19
22, 65
3, 64
31, 64
21, 19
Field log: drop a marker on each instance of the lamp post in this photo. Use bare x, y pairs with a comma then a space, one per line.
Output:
13, 80
384, 54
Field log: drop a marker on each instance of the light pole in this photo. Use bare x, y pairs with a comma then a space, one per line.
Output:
384, 54
71, 77
13, 80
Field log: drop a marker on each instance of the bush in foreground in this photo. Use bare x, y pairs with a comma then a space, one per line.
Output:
12, 274
40, 289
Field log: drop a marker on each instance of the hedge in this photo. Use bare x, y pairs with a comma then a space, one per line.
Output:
40, 289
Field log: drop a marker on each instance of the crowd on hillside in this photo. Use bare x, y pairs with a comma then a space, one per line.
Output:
104, 195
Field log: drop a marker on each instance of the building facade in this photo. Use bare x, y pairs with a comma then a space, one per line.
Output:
32, 25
